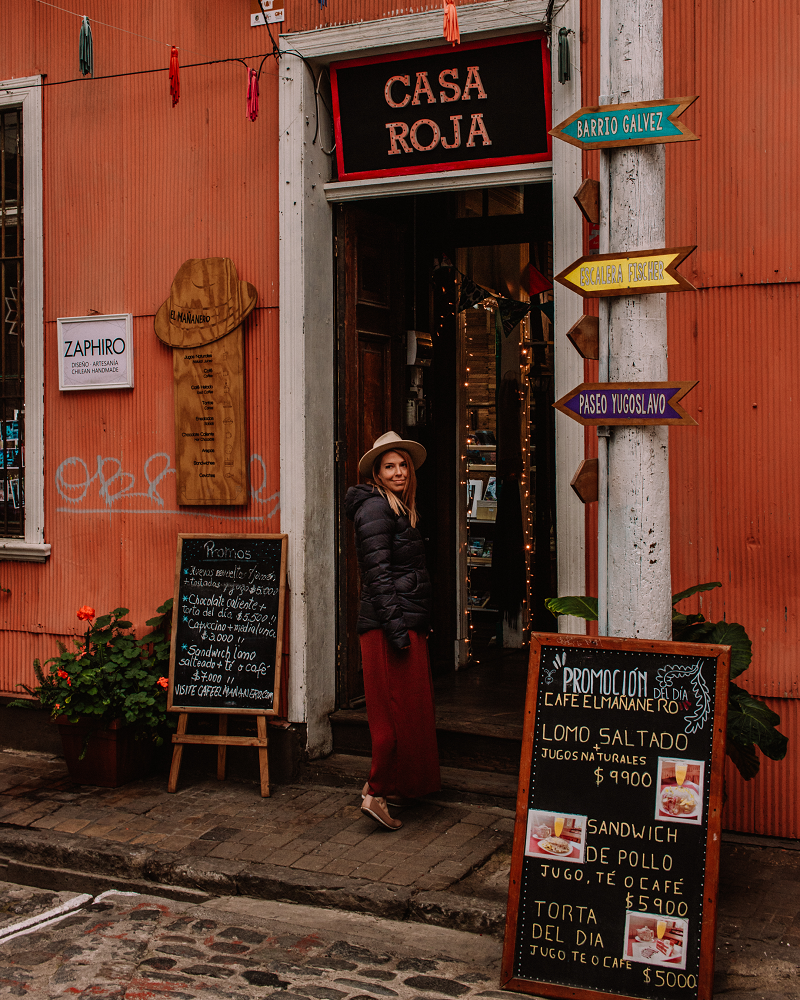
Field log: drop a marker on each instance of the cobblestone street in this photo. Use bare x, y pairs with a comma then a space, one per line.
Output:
144, 946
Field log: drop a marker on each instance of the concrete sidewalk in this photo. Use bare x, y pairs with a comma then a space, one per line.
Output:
310, 844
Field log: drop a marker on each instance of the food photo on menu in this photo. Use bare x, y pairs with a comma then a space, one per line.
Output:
679, 790
558, 836
656, 940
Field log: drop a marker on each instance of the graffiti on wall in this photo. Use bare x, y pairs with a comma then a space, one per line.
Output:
102, 487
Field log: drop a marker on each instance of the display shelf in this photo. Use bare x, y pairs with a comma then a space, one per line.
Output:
479, 467
479, 560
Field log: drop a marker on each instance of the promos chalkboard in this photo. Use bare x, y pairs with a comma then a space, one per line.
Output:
227, 624
616, 843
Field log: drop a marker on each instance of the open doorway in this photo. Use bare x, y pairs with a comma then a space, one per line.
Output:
444, 334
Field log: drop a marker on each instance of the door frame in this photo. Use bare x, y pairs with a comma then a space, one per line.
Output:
306, 323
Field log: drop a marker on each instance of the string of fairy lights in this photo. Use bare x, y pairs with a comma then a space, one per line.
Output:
490, 305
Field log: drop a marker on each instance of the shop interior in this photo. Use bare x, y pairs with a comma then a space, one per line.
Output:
444, 333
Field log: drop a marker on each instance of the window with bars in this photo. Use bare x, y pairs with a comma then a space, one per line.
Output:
12, 332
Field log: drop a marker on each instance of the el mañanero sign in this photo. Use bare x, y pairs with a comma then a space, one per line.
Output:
478, 105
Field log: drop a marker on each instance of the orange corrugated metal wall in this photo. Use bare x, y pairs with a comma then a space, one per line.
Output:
735, 497
133, 187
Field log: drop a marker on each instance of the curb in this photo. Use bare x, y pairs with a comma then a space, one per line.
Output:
33, 857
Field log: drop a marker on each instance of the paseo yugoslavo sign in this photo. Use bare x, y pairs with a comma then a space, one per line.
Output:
480, 104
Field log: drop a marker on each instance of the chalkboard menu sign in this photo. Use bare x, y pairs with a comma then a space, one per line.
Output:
227, 624
616, 843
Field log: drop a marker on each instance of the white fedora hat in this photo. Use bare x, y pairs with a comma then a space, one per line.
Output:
391, 441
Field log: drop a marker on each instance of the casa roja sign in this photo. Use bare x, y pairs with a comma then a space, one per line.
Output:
481, 104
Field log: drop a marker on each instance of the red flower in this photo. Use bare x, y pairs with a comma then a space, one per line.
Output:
64, 676
163, 682
57, 705
86, 613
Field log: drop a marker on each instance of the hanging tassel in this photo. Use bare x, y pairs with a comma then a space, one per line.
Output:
85, 49
174, 76
451, 32
252, 95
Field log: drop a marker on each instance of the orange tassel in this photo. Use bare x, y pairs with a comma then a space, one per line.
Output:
451, 32
174, 76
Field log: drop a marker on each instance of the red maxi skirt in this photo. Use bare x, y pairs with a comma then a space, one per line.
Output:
402, 724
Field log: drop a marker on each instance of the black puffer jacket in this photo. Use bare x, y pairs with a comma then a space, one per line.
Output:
395, 586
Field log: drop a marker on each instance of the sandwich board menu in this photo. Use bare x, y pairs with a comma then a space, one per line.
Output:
616, 842
227, 624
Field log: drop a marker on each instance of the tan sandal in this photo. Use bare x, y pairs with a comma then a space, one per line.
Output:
395, 801
376, 809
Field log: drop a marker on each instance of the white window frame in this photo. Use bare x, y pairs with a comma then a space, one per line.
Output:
26, 92
306, 318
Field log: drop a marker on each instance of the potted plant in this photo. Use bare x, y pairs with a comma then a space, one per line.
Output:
108, 696
751, 723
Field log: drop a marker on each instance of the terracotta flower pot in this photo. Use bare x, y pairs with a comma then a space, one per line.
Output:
113, 756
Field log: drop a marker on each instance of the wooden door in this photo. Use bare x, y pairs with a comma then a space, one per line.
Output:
370, 311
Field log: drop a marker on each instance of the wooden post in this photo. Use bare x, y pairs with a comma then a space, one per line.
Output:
177, 752
633, 474
222, 751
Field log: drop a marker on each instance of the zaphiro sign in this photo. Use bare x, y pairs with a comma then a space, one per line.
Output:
476, 105
95, 352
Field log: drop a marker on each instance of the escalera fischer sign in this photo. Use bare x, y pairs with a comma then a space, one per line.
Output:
442, 109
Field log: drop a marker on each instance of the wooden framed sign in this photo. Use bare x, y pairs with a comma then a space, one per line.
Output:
637, 272
227, 624
616, 843
447, 108
627, 403
642, 123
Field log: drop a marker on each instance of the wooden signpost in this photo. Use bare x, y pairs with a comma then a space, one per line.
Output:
641, 123
637, 272
629, 403
202, 321
616, 843
585, 337
584, 482
227, 639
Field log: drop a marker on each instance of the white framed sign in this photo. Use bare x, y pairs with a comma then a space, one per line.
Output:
95, 352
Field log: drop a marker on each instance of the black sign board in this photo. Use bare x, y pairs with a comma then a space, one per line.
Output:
227, 624
475, 105
616, 844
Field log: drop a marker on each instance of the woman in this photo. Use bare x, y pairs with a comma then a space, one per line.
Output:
393, 624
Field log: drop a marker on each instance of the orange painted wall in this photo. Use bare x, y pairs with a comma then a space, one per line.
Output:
735, 500
132, 188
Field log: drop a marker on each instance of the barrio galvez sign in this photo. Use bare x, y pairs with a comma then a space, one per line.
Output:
482, 104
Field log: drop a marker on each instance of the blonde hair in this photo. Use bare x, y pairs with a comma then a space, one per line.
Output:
407, 503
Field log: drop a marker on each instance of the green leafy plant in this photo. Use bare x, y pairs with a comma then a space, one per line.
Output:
751, 723
109, 675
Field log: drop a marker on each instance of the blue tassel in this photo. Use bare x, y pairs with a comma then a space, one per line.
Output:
85, 49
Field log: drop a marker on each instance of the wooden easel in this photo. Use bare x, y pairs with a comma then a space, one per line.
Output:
221, 742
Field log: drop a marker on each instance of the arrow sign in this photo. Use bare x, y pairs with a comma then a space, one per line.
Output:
639, 124
640, 272
630, 403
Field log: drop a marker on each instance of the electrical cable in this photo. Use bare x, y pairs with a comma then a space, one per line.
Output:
136, 72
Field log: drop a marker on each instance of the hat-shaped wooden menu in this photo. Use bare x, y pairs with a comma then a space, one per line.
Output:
202, 320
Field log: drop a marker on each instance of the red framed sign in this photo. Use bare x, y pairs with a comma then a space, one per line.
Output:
481, 104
